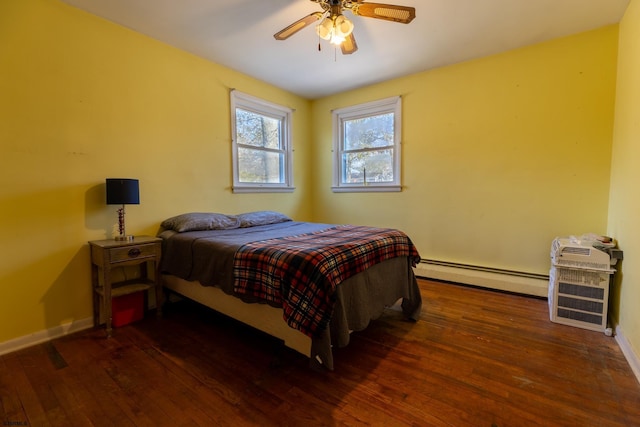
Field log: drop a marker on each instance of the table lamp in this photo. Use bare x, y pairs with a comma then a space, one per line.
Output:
122, 191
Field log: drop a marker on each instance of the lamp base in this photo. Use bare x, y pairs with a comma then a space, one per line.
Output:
127, 238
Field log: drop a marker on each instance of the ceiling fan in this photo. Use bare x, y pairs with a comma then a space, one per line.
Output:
336, 28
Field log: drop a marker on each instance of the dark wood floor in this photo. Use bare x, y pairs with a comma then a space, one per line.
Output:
475, 358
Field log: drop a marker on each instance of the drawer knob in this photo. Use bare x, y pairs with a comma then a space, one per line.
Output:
134, 252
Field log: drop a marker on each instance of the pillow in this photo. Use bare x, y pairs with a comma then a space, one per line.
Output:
196, 221
252, 219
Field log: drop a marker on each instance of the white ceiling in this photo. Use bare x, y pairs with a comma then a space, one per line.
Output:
239, 35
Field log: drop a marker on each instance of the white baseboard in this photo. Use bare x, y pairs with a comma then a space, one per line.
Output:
46, 335
628, 352
528, 284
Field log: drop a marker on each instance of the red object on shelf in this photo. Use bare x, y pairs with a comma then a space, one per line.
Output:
127, 309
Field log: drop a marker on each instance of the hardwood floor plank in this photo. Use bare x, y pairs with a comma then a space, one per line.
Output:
12, 409
190, 362
475, 358
34, 412
100, 396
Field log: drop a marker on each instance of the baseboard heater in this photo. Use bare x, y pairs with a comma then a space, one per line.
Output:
486, 277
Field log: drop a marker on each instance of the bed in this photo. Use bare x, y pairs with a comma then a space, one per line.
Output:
308, 284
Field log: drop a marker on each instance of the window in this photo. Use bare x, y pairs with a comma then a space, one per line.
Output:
366, 147
262, 153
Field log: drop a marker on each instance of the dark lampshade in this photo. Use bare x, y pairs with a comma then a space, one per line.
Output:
121, 191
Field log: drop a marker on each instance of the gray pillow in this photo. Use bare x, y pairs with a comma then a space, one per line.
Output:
197, 221
252, 219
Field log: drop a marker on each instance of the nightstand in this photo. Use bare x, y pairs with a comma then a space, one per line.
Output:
107, 256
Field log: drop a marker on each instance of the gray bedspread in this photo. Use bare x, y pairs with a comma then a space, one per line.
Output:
207, 257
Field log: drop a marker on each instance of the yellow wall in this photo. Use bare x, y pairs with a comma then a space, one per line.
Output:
624, 207
82, 100
500, 154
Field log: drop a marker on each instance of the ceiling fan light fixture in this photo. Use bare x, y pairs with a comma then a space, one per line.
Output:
342, 26
325, 28
337, 40
335, 29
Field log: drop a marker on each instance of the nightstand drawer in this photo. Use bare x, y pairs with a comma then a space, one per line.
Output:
128, 253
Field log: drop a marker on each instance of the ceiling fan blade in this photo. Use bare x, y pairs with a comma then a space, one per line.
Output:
297, 26
388, 12
349, 45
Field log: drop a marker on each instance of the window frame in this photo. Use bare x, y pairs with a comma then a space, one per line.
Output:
374, 108
268, 109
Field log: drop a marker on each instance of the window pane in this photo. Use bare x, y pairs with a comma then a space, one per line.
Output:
259, 166
377, 166
369, 132
257, 130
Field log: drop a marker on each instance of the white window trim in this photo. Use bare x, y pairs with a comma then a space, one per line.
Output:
265, 108
381, 106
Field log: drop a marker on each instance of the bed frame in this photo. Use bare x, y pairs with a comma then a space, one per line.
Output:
263, 317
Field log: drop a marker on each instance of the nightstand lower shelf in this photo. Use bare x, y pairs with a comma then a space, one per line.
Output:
128, 287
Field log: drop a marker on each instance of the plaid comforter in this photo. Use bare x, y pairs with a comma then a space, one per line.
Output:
302, 272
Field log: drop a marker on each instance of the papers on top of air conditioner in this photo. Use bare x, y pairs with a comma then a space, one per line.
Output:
595, 240
589, 251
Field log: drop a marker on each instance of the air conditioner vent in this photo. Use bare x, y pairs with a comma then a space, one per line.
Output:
579, 316
580, 304
577, 251
581, 291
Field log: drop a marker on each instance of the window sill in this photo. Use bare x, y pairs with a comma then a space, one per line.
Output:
368, 189
262, 189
